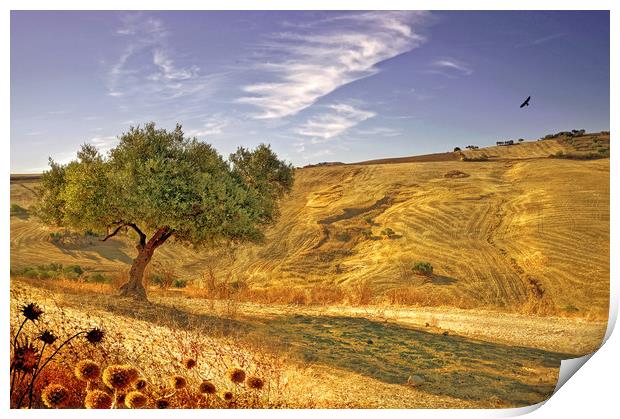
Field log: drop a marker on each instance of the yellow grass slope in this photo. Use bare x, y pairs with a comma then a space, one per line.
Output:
518, 216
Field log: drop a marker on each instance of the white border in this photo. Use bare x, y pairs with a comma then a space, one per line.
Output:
594, 390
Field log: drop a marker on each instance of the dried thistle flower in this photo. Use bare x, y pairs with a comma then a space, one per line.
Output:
178, 382
255, 383
25, 357
236, 375
189, 363
95, 335
207, 387
55, 396
140, 384
97, 399
119, 377
87, 370
32, 311
162, 403
227, 395
47, 337
135, 400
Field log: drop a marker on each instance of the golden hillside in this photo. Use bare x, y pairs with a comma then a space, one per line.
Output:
487, 232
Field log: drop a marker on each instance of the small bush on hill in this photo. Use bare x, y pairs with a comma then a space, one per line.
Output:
388, 232
97, 278
179, 283
423, 268
482, 157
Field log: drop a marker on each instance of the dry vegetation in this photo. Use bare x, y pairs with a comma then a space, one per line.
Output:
306, 357
515, 235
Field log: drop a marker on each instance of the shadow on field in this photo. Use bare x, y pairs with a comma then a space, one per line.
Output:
450, 365
110, 250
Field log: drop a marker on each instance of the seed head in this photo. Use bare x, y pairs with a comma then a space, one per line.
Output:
135, 400
227, 395
140, 384
178, 382
87, 370
255, 383
47, 337
189, 363
236, 375
25, 357
120, 377
207, 387
162, 403
55, 396
95, 335
98, 399
32, 311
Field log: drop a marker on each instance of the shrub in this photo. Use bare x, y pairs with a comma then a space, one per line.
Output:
520, 140
388, 232
157, 279
457, 149
98, 278
367, 234
423, 268
179, 283
73, 269
56, 237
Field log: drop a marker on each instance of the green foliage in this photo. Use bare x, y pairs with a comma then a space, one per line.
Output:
179, 283
456, 149
97, 278
388, 232
423, 268
155, 179
73, 269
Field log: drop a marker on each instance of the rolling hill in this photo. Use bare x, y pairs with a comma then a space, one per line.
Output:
495, 231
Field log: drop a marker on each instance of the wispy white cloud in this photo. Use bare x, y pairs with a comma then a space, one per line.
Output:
213, 126
306, 65
453, 65
541, 40
339, 118
147, 68
378, 131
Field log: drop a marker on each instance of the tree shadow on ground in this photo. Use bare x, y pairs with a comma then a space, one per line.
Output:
111, 250
450, 365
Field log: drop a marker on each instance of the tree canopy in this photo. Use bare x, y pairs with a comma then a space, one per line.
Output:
162, 182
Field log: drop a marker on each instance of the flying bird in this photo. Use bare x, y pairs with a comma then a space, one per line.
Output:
526, 102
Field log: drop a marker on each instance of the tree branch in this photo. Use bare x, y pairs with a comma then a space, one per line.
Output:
114, 233
140, 233
132, 225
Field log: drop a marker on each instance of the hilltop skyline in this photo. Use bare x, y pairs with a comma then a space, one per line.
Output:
317, 86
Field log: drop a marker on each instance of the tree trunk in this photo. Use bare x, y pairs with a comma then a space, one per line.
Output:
134, 287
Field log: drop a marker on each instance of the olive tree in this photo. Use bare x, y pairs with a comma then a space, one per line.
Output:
161, 185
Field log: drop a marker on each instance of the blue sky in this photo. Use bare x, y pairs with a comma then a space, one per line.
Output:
318, 86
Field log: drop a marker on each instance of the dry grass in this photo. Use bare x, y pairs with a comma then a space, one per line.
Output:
485, 234
308, 356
